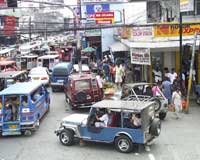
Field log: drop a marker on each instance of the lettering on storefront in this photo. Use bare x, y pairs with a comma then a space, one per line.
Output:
142, 33
173, 31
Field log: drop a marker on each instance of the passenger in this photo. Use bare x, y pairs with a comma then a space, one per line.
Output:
136, 121
12, 102
102, 121
8, 113
126, 93
24, 102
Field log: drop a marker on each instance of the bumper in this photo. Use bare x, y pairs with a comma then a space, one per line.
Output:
58, 131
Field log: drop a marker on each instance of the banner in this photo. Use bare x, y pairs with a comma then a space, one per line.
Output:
9, 25
186, 5
173, 31
3, 3
91, 9
140, 56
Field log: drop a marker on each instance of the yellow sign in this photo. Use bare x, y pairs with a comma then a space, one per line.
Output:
173, 30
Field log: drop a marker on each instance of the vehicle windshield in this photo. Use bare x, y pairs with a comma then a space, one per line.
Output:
82, 85
60, 72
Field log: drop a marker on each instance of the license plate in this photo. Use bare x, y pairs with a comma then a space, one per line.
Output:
60, 81
13, 126
36, 78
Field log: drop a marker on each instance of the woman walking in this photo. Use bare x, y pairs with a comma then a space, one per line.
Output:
176, 102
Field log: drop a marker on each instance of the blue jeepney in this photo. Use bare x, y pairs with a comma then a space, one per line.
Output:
117, 130
60, 75
22, 105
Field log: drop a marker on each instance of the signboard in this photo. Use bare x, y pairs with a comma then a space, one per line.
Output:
173, 31
140, 56
95, 1
9, 26
91, 9
104, 17
186, 5
142, 33
93, 32
3, 3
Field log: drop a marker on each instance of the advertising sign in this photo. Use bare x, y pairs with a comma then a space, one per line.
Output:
140, 56
95, 1
91, 9
173, 31
9, 26
142, 33
3, 3
186, 5
104, 17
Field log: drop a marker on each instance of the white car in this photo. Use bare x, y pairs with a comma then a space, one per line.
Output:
39, 74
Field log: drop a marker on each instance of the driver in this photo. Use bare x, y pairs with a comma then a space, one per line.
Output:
103, 120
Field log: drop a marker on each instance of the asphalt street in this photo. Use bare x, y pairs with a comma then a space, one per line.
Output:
179, 140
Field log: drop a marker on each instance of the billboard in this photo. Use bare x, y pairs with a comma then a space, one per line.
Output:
3, 3
91, 9
9, 25
104, 17
186, 5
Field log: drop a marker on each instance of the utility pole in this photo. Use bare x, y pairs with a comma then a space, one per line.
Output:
180, 47
191, 71
30, 29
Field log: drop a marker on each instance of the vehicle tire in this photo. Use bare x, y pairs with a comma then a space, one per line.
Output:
53, 89
198, 99
162, 115
157, 104
155, 127
37, 124
66, 137
48, 108
27, 133
123, 144
81, 96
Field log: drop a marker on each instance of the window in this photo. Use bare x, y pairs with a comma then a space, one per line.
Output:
81, 85
196, 9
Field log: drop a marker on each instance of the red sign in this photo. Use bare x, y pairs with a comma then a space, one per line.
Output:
9, 26
104, 15
3, 3
104, 21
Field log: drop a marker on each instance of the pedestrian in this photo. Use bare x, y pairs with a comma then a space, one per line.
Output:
157, 75
177, 102
123, 72
106, 69
129, 75
118, 75
173, 75
156, 90
100, 81
166, 88
112, 72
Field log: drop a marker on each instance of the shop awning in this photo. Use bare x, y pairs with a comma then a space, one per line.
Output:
118, 47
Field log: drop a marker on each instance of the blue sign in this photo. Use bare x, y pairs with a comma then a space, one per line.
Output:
91, 9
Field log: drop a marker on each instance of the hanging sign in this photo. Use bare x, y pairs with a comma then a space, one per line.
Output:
140, 56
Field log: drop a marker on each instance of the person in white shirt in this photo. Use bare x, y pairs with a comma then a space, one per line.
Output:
173, 76
157, 75
177, 102
102, 121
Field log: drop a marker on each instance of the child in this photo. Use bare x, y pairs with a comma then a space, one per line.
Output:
176, 102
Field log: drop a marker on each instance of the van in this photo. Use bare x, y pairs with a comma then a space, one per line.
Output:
12, 77
60, 75
48, 61
22, 107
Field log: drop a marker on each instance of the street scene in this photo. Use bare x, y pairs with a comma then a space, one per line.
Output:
91, 79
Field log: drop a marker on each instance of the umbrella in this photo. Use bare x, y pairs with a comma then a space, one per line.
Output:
89, 50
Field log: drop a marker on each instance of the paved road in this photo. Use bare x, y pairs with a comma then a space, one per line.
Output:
179, 140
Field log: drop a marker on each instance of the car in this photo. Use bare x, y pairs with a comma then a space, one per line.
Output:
117, 131
85, 68
82, 90
12, 77
60, 74
40, 74
143, 92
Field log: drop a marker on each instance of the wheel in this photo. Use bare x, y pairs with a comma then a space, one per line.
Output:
27, 132
81, 96
162, 115
157, 104
123, 144
53, 89
66, 137
198, 100
155, 127
48, 108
